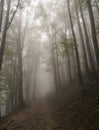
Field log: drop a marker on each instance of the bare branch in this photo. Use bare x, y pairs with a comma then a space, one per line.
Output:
13, 15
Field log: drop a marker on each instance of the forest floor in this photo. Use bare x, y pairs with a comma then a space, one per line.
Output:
68, 111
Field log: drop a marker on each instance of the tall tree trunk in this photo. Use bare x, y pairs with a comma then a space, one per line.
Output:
57, 64
87, 40
76, 49
35, 76
54, 68
1, 12
14, 83
97, 6
6, 26
20, 85
4, 34
19, 51
0, 104
93, 31
82, 42
68, 56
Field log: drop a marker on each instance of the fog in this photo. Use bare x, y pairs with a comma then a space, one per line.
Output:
45, 82
46, 46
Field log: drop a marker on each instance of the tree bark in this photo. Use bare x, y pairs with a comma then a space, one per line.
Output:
82, 41
93, 31
19, 52
87, 40
1, 12
68, 56
76, 49
4, 34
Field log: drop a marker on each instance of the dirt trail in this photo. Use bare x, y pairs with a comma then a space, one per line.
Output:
41, 116
48, 114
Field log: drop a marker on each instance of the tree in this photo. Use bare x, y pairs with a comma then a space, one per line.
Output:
76, 48
1, 12
6, 27
82, 40
4, 33
87, 42
93, 31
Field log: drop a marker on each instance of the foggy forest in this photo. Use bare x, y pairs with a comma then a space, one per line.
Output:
49, 64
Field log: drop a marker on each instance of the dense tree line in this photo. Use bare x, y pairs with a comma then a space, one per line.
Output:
69, 29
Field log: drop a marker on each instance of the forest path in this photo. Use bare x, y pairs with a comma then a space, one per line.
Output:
49, 114
40, 116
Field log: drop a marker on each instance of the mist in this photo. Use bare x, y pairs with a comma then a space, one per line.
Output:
49, 64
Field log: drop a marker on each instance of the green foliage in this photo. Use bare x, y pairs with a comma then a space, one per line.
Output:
68, 46
67, 43
21, 6
64, 46
5, 83
4, 89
